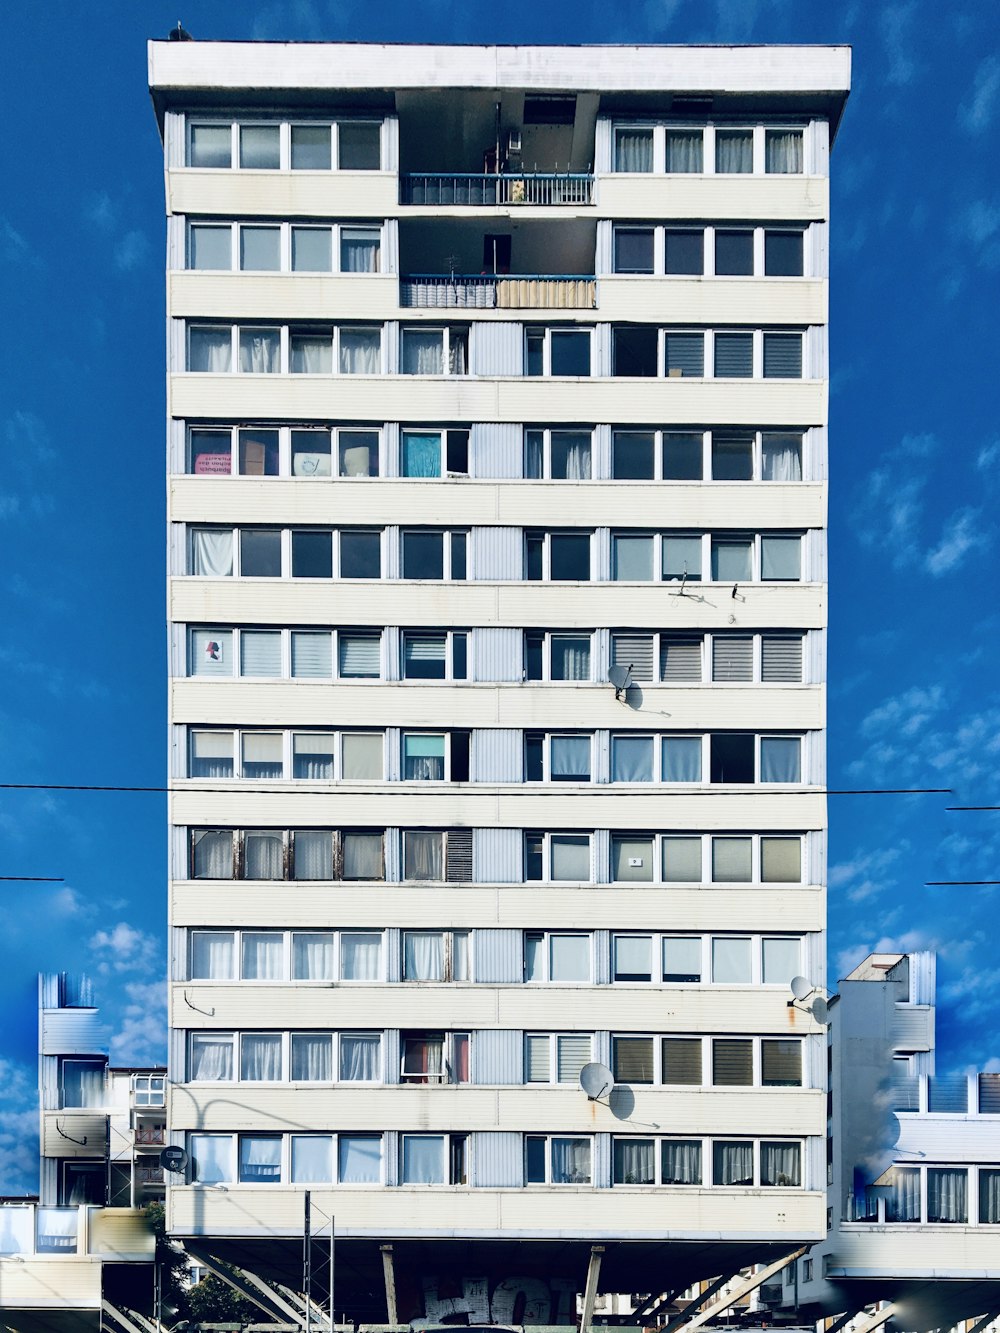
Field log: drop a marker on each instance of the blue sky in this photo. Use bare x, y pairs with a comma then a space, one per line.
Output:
915, 466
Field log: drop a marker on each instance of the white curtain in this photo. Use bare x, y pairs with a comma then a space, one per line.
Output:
569, 758
423, 956
260, 1057
570, 455
212, 1158
734, 151
780, 759
904, 1203
82, 1083
423, 1160
260, 1159
312, 1057
311, 354
211, 754
570, 659
360, 351
263, 958
212, 955
783, 151
360, 1058
781, 457
780, 1164
989, 1196
681, 1162
313, 854
362, 855
57, 1228
423, 758
632, 759
682, 759
359, 250
733, 1163
458, 352
312, 1158
210, 350
312, 956
312, 755
359, 1159
534, 454
423, 352
260, 351
633, 150
684, 150
360, 957
211, 1058
423, 856
212, 552
635, 1162
947, 1195
213, 854
571, 1161
263, 854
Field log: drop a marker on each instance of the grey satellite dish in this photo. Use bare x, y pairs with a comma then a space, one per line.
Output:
820, 1010
173, 1159
893, 1130
801, 987
619, 677
596, 1080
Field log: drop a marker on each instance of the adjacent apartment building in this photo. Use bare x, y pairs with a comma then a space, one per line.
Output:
497, 455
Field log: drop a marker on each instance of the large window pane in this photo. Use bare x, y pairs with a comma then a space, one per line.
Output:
732, 860
423, 1159
357, 453
632, 559
783, 254
423, 758
680, 1162
947, 1194
633, 1059
260, 249
360, 249
569, 351
263, 855
312, 555
732, 1162
570, 1161
211, 146
781, 456
424, 657
313, 855
682, 456
734, 151
733, 355
681, 1061
311, 353
780, 558
570, 858
732, 456
359, 145
684, 354
213, 955
260, 553
423, 555
682, 958
682, 759
732, 560
570, 455
570, 658
312, 1159
781, 860
781, 961
212, 552
685, 150
361, 956
780, 1063
363, 760
634, 350
310, 147
633, 149
262, 955
360, 351
313, 755
732, 1062
783, 151
260, 1057
634, 1162
260, 653
423, 352
632, 860
731, 960
312, 955
212, 854
260, 147
569, 958
258, 453
211, 452
780, 759
210, 350
783, 356
423, 857
684, 251
633, 251
213, 1158
260, 1159
260, 351
421, 453
631, 759
263, 754
682, 557
360, 1057
633, 455
569, 758
359, 1159
633, 958
423, 955
360, 555
733, 253
359, 655
781, 1164
311, 250
682, 860
570, 557
210, 247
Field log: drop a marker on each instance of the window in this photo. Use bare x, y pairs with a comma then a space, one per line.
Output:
556, 758
310, 145
436, 757
733, 151
556, 656
685, 150
731, 858
732, 1062
438, 856
562, 455
435, 351
551, 1160
353, 145
423, 453
683, 250
989, 1196
433, 1159
632, 1059
682, 958
557, 351
781, 1164
213, 1158
734, 252
434, 555
81, 1083
434, 1057
556, 1057
441, 656
360, 249
681, 1061
210, 146
210, 246
557, 856
780, 1063
556, 957
632, 958
783, 356
783, 151
783, 254
947, 1194
634, 349
211, 1057
633, 249
781, 960
359, 145
683, 354
680, 1162
303, 854
260, 147
557, 556
633, 148
732, 960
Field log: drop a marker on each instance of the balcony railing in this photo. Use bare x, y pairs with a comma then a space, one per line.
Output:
466, 291
147, 1135
544, 189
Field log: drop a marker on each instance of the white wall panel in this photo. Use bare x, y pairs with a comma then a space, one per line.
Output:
497, 347
497, 553
498, 956
497, 855
722, 198
496, 449
497, 755
335, 194
497, 655
497, 1160
498, 1056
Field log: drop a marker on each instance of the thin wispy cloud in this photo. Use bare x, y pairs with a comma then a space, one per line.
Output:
18, 1129
896, 23
964, 534
140, 1035
978, 112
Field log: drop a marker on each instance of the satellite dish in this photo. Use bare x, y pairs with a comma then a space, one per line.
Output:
619, 677
801, 987
596, 1079
820, 1010
173, 1159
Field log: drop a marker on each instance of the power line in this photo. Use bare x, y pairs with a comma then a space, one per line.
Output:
948, 883
33, 879
972, 807
416, 790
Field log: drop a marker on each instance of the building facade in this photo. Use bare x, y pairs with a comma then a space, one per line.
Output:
497, 407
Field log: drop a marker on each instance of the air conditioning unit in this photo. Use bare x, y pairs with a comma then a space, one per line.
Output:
513, 141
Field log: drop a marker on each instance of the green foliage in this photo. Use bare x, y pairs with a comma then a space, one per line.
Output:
213, 1301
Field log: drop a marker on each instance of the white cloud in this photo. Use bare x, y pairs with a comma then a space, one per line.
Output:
14, 248
978, 113
100, 210
895, 23
961, 536
866, 874
131, 251
18, 1129
141, 1036
988, 457
123, 948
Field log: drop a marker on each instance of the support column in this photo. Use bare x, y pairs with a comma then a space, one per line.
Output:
389, 1273
590, 1290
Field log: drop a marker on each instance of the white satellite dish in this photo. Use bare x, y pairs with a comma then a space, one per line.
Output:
801, 987
619, 677
893, 1130
820, 1010
596, 1080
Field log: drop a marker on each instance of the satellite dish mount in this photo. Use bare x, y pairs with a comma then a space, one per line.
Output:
620, 678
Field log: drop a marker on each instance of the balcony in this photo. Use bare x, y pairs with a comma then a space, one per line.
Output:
471, 190
150, 1136
508, 291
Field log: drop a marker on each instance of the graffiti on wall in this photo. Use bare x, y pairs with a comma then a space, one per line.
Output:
513, 1300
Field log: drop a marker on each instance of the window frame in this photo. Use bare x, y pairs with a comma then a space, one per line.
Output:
452, 332
553, 1040
452, 653
547, 838
449, 538
287, 836
532, 535
547, 938
547, 637
707, 841
548, 1140
530, 334
284, 127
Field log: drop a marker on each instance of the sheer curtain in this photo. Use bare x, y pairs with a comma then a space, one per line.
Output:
423, 856
904, 1203
360, 351
571, 1161
570, 659
989, 1196
313, 854
362, 855
423, 956
360, 957
211, 1058
312, 1158
57, 1228
359, 1159
682, 759
210, 350
359, 250
312, 956
423, 1160
781, 457
211, 754
260, 1159
783, 151
681, 1162
633, 150
260, 1057
570, 455
421, 454
212, 1158
312, 755
534, 454
260, 351
780, 759
632, 759
82, 1083
312, 1057
947, 1195
214, 855
733, 1163
780, 1164
264, 857
423, 758
212, 955
212, 552
569, 758
734, 151
423, 352
311, 354
360, 1058
263, 956
685, 150
458, 353
634, 1162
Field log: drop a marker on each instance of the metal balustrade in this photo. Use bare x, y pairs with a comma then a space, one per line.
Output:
469, 190
508, 291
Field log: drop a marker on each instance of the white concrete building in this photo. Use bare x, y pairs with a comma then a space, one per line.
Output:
491, 370
914, 1169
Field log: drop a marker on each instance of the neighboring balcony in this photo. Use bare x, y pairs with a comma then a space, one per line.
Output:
508, 291
471, 190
